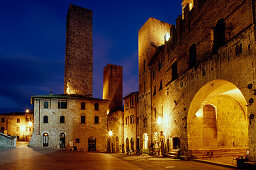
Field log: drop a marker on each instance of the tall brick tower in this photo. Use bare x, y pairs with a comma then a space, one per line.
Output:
79, 52
113, 86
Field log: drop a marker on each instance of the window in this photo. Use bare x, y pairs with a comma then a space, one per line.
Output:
96, 106
144, 65
153, 74
131, 119
62, 119
155, 112
62, 104
238, 49
77, 140
159, 65
161, 85
45, 120
174, 71
219, 35
3, 120
83, 106
46, 105
18, 120
192, 56
131, 101
96, 119
145, 122
82, 119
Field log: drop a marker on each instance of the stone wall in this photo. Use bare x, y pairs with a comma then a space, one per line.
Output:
75, 130
7, 141
214, 71
79, 52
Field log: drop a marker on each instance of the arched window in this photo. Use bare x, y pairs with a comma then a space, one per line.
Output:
62, 119
219, 34
96, 106
145, 122
45, 119
83, 106
192, 55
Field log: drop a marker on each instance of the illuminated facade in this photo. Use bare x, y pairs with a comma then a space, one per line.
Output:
196, 89
18, 124
70, 122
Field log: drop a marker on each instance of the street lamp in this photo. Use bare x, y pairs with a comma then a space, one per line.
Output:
110, 133
27, 110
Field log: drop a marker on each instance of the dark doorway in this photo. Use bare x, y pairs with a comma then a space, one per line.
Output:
45, 139
138, 144
91, 144
62, 140
127, 145
176, 143
174, 70
132, 144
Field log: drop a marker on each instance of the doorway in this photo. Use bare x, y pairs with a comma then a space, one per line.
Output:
91, 144
62, 140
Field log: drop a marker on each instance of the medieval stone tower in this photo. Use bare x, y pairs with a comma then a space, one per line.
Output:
113, 86
79, 52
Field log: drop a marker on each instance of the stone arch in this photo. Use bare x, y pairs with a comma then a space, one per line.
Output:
217, 119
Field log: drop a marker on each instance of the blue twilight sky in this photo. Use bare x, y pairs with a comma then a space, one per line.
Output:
32, 43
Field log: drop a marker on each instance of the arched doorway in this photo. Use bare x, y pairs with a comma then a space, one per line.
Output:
91, 144
217, 120
132, 144
62, 140
45, 139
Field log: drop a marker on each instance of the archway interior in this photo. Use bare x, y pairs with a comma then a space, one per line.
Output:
217, 121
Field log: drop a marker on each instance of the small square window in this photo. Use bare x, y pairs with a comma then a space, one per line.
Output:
3, 120
96, 106
18, 120
62, 104
77, 140
96, 119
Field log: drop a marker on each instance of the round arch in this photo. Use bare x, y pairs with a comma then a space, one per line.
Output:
217, 118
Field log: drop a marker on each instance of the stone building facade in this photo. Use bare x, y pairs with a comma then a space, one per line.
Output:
131, 122
19, 124
79, 52
70, 121
196, 79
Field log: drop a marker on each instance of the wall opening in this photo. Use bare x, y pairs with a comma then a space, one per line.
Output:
217, 120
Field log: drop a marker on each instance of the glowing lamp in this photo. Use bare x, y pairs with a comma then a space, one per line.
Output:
22, 128
110, 133
27, 110
30, 124
159, 120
